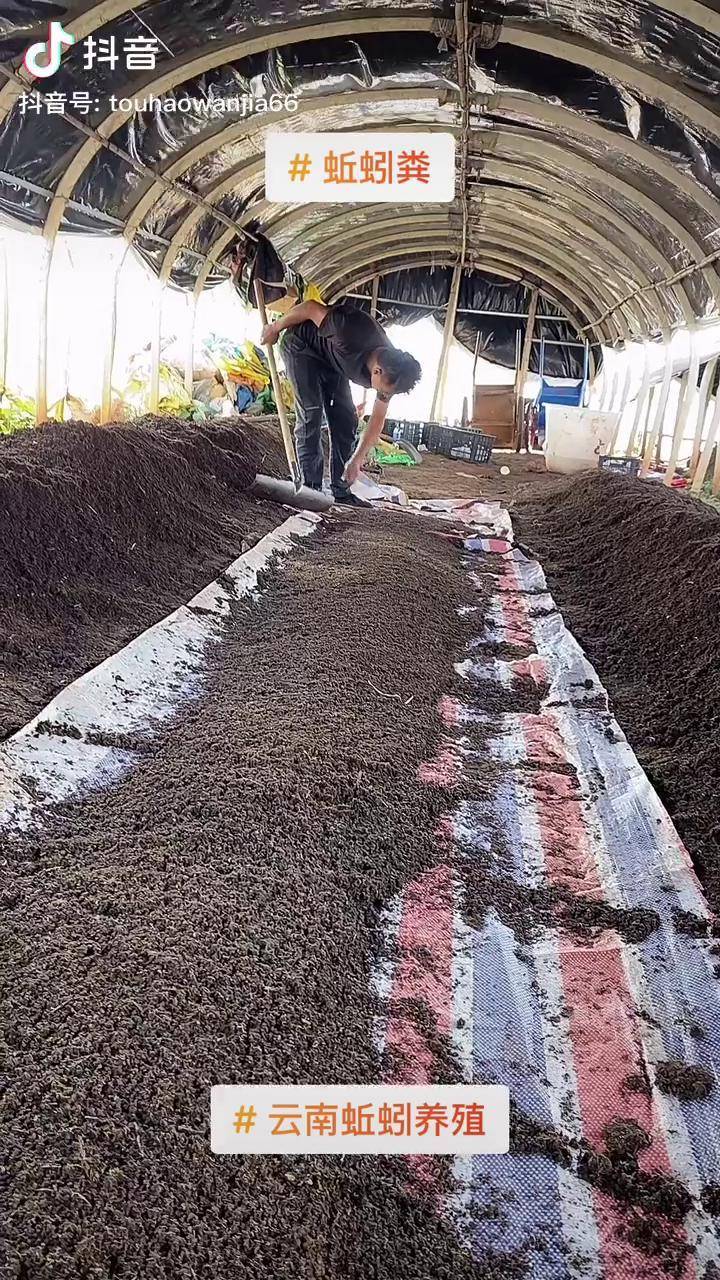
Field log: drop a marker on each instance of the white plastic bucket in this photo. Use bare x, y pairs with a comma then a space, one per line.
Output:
575, 438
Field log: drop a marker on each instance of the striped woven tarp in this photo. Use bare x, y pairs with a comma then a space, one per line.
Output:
574, 1013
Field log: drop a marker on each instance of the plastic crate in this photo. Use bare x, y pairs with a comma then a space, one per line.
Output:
621, 466
457, 443
413, 432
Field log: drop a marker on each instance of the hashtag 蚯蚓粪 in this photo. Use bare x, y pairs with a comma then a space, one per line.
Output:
299, 167
245, 1119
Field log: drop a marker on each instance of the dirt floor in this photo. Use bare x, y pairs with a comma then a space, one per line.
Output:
213, 919
105, 530
438, 477
634, 568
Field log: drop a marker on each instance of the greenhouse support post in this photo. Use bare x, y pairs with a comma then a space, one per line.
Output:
703, 397
523, 367
190, 349
716, 473
642, 402
106, 395
158, 294
448, 330
374, 297
624, 393
41, 394
688, 387
655, 434
707, 450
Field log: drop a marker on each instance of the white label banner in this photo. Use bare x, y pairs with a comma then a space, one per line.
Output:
359, 1119
366, 168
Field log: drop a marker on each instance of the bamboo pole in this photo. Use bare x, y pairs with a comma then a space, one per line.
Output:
621, 406
655, 436
716, 472
374, 297
106, 395
643, 397
156, 345
653, 398
703, 397
287, 435
688, 387
707, 451
41, 394
475, 362
476, 354
613, 384
373, 312
680, 421
522, 371
190, 349
448, 330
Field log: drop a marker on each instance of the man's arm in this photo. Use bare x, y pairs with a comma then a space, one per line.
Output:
315, 311
369, 439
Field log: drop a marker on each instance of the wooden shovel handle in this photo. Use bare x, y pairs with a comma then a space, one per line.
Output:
287, 435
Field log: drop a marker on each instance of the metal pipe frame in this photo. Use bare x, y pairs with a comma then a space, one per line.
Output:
541, 156
552, 116
502, 239
552, 235
629, 237
412, 260
503, 264
690, 106
504, 101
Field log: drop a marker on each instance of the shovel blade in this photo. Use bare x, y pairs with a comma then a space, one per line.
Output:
303, 499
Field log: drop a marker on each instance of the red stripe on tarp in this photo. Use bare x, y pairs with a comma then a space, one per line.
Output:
423, 973
445, 770
514, 621
606, 1050
533, 668
513, 607
604, 1029
450, 710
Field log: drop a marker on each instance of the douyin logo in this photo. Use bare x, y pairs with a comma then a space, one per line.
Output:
43, 59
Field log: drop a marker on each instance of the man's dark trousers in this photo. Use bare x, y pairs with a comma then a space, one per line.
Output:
320, 388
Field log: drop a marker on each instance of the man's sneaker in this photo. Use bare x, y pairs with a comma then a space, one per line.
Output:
348, 499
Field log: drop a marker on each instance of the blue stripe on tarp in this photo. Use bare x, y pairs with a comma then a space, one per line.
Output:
677, 968
517, 1198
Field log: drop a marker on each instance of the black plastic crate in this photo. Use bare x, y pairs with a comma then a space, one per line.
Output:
621, 466
413, 432
456, 442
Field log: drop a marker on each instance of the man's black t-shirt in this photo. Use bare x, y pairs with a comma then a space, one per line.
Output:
345, 339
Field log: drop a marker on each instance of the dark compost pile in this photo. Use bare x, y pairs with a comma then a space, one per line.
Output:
213, 918
105, 530
635, 569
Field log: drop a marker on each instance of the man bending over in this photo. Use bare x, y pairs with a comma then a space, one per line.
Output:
324, 350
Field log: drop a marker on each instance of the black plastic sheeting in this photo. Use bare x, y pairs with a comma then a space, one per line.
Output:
38, 149
429, 289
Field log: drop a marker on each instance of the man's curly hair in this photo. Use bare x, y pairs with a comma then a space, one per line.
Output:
400, 368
